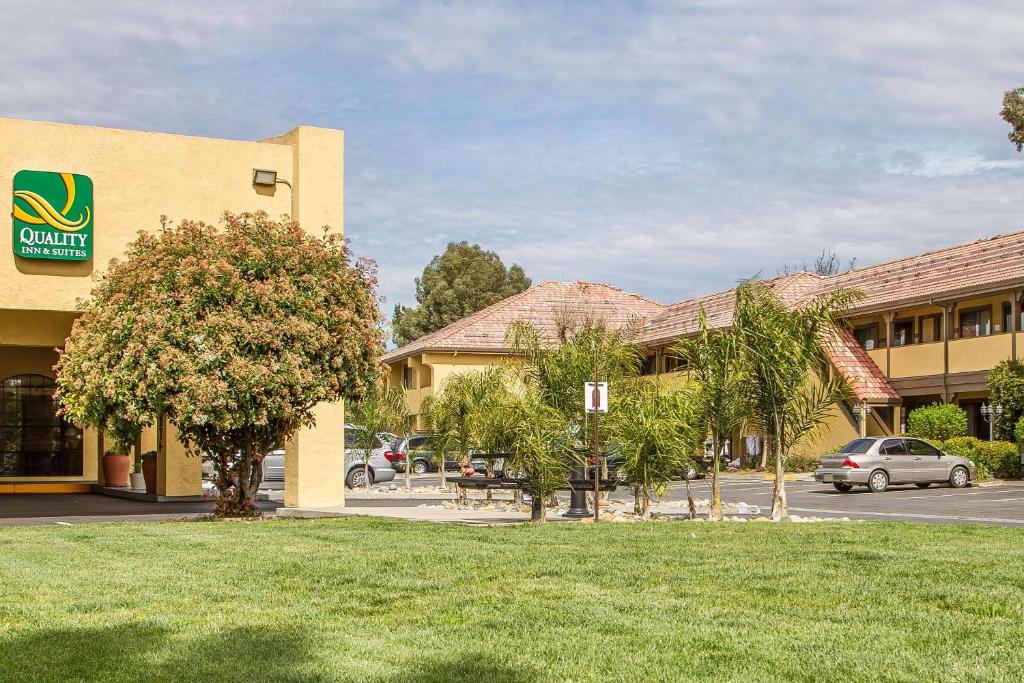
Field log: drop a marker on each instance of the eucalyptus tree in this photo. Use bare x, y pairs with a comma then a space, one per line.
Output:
789, 382
713, 363
458, 415
382, 410
653, 434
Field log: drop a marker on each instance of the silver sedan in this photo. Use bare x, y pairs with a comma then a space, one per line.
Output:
877, 462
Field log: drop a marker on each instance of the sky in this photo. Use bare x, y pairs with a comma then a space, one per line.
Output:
668, 148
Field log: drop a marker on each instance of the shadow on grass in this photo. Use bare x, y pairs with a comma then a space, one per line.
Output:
480, 668
144, 651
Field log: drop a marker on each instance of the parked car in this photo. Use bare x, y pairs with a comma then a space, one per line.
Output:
381, 469
419, 449
877, 462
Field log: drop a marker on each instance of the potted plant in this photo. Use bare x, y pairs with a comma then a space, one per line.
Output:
116, 462
149, 470
137, 477
116, 465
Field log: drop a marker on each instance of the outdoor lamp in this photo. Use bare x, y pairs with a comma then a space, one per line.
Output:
857, 411
264, 177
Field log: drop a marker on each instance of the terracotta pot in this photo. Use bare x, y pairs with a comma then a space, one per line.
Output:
149, 472
115, 469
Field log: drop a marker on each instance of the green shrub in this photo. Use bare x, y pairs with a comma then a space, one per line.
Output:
1018, 432
1006, 389
993, 458
801, 463
1001, 458
937, 422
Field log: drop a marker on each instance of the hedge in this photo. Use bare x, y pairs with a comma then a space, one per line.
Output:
993, 458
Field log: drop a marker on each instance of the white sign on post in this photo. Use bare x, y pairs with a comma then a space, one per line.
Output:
595, 397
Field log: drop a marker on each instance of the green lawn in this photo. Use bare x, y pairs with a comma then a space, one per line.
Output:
385, 600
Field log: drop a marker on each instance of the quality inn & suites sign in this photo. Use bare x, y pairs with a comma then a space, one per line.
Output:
53, 216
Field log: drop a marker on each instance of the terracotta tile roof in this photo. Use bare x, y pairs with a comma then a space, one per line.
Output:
867, 381
681, 319
987, 263
541, 304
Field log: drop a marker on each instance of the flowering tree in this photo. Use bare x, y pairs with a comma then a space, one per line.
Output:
232, 332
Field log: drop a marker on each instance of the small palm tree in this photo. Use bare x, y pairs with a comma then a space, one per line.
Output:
790, 384
539, 447
644, 423
459, 414
714, 366
383, 410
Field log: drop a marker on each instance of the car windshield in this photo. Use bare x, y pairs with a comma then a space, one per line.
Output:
858, 446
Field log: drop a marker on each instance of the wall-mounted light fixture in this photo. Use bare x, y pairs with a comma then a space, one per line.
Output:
264, 177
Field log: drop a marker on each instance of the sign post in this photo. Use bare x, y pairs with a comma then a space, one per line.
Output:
596, 401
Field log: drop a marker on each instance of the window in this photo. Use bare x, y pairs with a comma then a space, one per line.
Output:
407, 377
673, 363
868, 337
931, 328
34, 440
921, 448
976, 322
903, 332
858, 446
893, 447
1008, 319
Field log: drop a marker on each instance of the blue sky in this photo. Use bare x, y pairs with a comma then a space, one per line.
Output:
667, 148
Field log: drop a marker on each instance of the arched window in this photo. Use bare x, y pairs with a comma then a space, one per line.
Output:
34, 440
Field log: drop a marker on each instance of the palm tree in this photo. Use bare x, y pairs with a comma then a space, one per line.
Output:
539, 447
557, 367
383, 410
645, 424
790, 384
713, 363
459, 414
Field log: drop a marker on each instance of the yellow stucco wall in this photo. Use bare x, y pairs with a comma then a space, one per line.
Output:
137, 177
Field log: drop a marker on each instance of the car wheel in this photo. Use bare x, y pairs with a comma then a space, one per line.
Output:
878, 481
419, 467
959, 477
843, 487
691, 473
357, 478
923, 484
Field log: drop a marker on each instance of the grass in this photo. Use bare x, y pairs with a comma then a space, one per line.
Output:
385, 600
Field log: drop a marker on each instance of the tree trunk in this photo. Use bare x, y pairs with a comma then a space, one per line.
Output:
444, 480
763, 465
408, 470
715, 511
637, 507
538, 511
779, 509
366, 470
690, 505
645, 506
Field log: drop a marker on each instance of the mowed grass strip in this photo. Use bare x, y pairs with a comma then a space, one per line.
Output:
364, 599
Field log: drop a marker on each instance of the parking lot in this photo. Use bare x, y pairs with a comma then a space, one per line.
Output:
987, 503
999, 503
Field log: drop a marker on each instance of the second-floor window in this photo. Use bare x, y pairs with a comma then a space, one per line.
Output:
407, 377
976, 322
867, 335
903, 332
